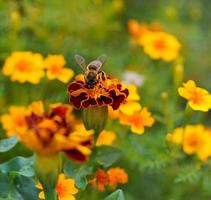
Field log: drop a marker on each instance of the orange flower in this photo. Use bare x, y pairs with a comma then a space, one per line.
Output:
106, 138
50, 132
24, 67
105, 92
100, 180
65, 189
198, 98
138, 120
55, 68
176, 136
160, 45
117, 176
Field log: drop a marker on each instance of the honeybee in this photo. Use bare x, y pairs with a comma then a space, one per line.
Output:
92, 71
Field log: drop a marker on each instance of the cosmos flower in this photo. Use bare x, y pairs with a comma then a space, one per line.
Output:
24, 66
106, 138
56, 70
160, 45
198, 98
138, 120
50, 132
107, 92
65, 189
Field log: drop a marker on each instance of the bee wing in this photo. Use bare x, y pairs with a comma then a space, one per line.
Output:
102, 58
81, 62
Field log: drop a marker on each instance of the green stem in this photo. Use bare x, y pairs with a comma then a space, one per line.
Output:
50, 194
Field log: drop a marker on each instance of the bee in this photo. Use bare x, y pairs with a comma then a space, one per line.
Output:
92, 71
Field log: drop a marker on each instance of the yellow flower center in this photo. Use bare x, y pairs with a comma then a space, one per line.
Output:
160, 44
23, 66
61, 190
55, 69
196, 98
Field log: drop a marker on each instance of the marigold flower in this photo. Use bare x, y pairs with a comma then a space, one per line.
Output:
160, 45
198, 98
15, 122
55, 68
117, 176
112, 178
24, 66
53, 131
138, 121
65, 189
194, 139
100, 180
106, 92
106, 138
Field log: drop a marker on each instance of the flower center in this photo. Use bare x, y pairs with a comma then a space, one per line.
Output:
61, 190
160, 44
23, 66
55, 69
194, 141
196, 98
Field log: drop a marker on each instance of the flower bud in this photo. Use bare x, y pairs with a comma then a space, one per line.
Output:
95, 118
178, 74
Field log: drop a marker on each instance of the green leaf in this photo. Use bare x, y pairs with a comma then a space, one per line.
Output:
188, 173
7, 189
117, 195
19, 165
106, 155
7, 144
79, 173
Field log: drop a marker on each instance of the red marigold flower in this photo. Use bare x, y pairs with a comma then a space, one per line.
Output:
105, 92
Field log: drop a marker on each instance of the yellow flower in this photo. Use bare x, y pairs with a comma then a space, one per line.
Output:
195, 141
55, 68
15, 122
176, 136
65, 189
106, 138
198, 98
24, 67
160, 45
138, 121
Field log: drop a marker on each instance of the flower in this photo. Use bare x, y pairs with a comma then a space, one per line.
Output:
24, 66
15, 122
65, 188
138, 121
160, 45
117, 176
111, 177
198, 98
55, 68
195, 139
105, 92
50, 132
176, 136
100, 180
131, 77
106, 138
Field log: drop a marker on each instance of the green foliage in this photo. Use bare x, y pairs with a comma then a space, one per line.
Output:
7, 144
117, 195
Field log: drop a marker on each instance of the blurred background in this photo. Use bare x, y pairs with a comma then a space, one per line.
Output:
93, 27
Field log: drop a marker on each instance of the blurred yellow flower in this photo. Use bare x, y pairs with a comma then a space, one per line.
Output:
138, 121
24, 66
15, 122
176, 136
195, 139
106, 138
55, 68
160, 45
198, 98
65, 189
